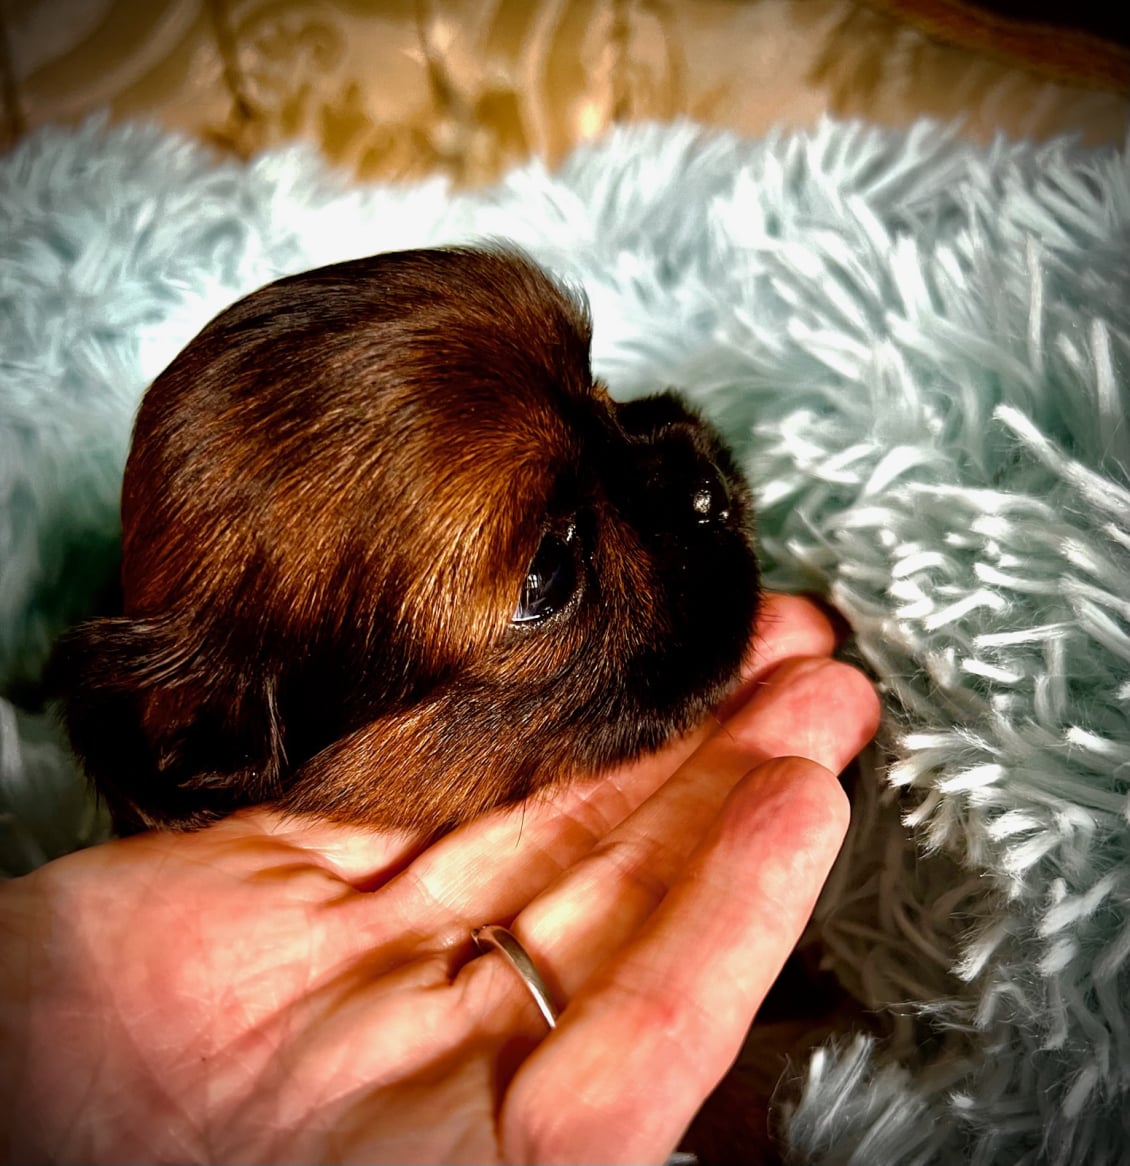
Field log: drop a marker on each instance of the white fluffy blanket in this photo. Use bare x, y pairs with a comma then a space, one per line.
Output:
921, 349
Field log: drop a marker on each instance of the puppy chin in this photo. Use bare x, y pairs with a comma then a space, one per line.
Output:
391, 556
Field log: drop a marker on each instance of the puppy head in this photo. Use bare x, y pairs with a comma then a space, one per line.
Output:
391, 555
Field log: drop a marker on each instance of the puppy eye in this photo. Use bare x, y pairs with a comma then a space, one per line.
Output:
551, 578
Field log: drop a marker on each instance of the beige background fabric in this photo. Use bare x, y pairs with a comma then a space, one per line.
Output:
402, 88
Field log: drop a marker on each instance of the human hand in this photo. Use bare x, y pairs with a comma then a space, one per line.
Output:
284, 990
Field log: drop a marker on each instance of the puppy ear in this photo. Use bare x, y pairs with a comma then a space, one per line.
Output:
159, 752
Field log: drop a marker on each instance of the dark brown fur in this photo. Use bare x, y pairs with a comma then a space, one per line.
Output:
331, 503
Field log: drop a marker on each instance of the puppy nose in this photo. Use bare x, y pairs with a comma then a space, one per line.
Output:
710, 500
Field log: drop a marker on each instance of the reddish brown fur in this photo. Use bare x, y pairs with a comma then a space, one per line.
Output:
330, 505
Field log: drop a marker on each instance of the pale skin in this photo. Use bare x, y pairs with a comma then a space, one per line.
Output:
272, 990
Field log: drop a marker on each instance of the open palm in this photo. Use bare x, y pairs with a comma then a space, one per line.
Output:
283, 990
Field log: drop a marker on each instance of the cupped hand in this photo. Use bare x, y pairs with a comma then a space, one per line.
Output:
283, 990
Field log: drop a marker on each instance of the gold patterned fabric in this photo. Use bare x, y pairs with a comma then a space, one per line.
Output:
403, 88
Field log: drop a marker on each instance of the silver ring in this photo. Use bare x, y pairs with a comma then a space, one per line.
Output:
494, 938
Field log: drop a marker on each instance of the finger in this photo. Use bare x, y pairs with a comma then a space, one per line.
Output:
824, 710
639, 1049
788, 626
820, 709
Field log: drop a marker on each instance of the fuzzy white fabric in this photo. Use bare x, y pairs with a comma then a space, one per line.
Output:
920, 348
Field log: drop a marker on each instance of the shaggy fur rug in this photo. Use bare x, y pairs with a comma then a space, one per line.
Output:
922, 351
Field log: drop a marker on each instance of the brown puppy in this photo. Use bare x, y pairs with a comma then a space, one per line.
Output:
392, 556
